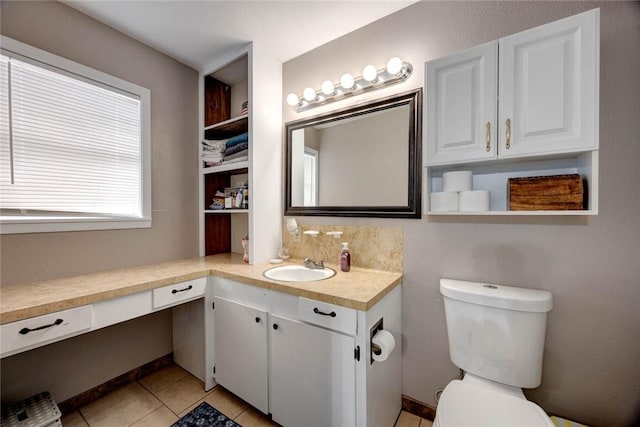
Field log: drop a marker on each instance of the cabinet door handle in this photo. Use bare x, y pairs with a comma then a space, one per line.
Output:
257, 319
188, 288
25, 331
488, 137
275, 326
332, 314
508, 134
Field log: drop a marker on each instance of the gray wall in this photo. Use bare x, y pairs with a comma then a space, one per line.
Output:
591, 265
81, 363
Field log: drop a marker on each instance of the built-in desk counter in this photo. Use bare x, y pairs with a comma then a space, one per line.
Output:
359, 289
306, 319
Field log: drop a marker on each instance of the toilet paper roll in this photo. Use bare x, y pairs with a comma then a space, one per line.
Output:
457, 181
386, 342
444, 201
474, 201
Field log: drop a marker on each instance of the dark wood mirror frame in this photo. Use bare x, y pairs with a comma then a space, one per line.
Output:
414, 200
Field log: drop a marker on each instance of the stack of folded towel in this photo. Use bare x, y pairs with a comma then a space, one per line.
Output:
235, 149
213, 151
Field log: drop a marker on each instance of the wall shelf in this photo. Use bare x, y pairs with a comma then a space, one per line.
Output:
225, 211
227, 128
494, 175
552, 133
229, 167
245, 78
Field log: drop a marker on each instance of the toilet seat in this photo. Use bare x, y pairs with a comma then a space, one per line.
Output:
472, 404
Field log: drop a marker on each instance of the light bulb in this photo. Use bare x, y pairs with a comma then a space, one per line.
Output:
346, 81
369, 73
292, 99
309, 94
327, 87
394, 65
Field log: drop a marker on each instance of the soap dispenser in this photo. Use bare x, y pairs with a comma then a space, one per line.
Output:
345, 257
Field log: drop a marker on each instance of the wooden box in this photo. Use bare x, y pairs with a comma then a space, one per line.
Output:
556, 192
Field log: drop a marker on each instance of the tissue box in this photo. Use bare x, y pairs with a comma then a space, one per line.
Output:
556, 192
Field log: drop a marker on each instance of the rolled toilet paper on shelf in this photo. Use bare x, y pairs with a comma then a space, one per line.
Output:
386, 342
474, 201
457, 181
444, 201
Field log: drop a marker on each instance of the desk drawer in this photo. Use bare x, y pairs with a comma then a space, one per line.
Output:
37, 331
330, 316
179, 293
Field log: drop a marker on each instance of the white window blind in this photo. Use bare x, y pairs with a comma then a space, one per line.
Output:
68, 145
75, 146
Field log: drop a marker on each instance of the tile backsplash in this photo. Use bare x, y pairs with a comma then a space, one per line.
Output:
377, 248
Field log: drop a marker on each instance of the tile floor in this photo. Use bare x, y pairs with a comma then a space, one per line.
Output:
161, 398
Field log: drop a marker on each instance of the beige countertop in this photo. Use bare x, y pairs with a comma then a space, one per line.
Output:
360, 288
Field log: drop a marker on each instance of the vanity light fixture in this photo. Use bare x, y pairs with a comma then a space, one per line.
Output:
347, 82
370, 74
292, 100
396, 71
309, 94
327, 88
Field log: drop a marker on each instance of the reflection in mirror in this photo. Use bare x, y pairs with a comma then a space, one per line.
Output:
362, 161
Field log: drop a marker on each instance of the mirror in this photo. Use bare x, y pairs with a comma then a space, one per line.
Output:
359, 161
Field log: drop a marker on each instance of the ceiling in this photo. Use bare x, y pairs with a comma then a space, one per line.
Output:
194, 32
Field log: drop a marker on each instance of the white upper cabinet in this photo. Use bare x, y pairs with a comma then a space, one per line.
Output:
549, 88
462, 105
531, 93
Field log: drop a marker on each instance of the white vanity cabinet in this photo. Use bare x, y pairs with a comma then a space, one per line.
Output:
241, 356
312, 375
529, 97
307, 363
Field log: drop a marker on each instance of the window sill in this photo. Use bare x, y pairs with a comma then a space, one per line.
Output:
18, 224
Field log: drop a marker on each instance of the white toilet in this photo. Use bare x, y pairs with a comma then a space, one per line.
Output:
496, 335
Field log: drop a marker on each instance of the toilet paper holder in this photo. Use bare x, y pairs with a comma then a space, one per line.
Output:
375, 348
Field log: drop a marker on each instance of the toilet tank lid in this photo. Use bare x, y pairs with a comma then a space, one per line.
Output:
499, 296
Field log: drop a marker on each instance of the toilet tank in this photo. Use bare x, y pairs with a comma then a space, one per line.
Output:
496, 332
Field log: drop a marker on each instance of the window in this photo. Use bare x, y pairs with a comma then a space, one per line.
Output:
310, 177
74, 145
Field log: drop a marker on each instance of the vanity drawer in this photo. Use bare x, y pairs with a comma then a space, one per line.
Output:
330, 316
179, 293
37, 331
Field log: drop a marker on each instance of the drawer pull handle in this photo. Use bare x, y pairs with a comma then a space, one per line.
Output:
25, 331
275, 326
488, 137
257, 319
332, 314
188, 288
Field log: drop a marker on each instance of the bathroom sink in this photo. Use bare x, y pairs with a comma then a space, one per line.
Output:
298, 273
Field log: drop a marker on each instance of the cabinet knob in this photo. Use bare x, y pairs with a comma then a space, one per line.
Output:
257, 319
275, 326
508, 134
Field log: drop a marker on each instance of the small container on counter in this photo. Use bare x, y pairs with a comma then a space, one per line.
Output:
345, 257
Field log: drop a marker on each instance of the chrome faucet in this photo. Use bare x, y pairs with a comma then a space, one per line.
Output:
309, 263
